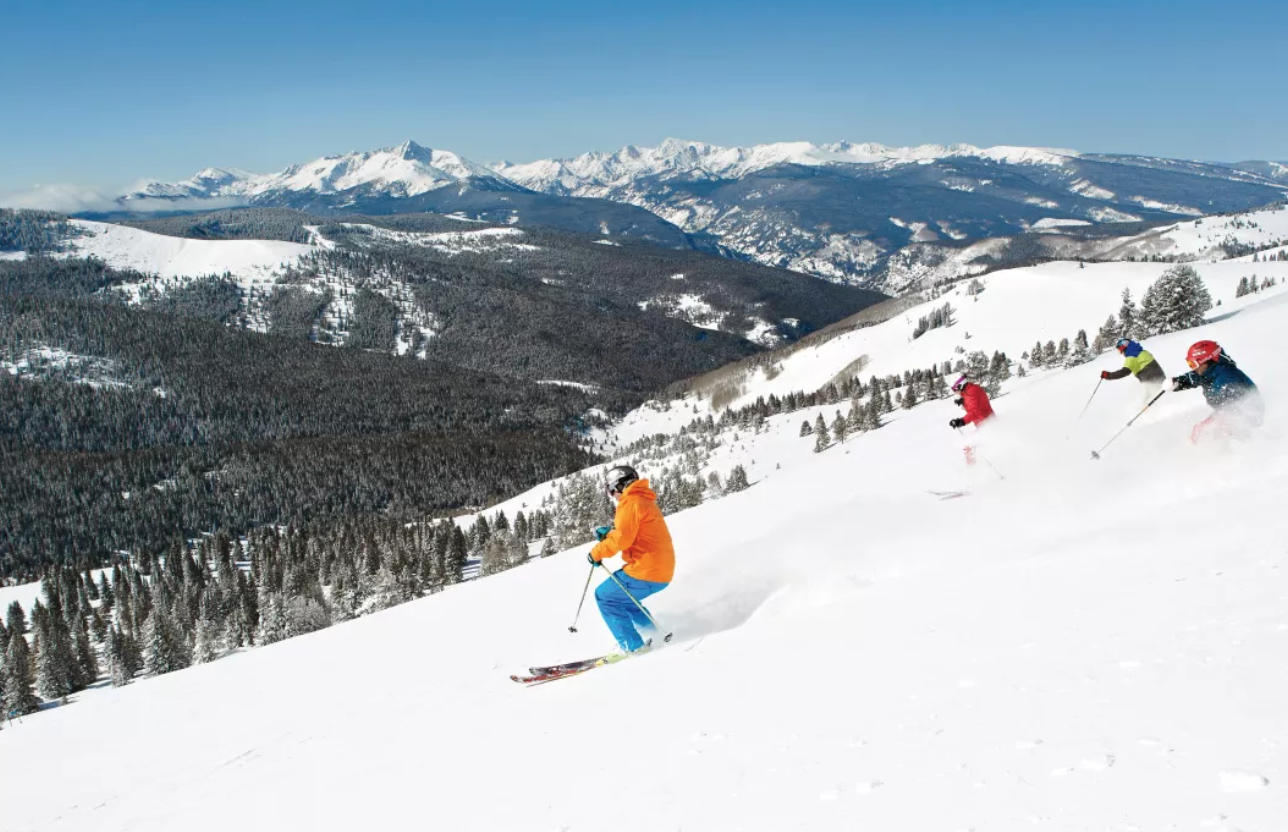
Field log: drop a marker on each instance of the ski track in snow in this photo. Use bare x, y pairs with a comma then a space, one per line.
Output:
1085, 645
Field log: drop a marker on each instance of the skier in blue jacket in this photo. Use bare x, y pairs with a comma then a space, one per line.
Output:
1235, 400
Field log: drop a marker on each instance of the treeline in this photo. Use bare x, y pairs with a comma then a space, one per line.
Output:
33, 232
192, 604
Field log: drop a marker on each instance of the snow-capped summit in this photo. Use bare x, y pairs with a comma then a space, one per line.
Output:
409, 169
406, 170
205, 184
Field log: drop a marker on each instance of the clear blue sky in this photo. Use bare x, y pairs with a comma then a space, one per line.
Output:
107, 92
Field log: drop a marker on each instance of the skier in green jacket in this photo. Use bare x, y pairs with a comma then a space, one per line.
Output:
1138, 362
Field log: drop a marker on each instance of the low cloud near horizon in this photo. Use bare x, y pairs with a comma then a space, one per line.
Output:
77, 199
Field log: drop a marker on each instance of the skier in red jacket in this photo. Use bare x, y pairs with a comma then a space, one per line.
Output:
978, 410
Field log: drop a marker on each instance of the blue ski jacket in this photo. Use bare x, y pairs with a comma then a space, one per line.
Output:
1223, 384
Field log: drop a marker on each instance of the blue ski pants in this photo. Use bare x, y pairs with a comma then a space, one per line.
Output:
620, 613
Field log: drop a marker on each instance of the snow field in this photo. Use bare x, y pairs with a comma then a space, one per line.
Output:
122, 247
1083, 645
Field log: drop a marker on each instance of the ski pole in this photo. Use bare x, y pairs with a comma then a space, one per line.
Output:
647, 614
580, 603
1096, 454
981, 456
1088, 404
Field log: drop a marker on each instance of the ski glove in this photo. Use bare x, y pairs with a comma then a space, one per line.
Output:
957, 423
1104, 374
602, 532
958, 401
590, 556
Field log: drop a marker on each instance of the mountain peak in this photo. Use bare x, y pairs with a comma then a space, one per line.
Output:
411, 150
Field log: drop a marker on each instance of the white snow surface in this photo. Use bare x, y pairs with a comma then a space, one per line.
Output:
1055, 222
122, 247
1083, 645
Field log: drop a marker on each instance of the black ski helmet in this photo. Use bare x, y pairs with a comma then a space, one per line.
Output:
618, 477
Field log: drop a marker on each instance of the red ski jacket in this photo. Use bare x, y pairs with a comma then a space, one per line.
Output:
978, 407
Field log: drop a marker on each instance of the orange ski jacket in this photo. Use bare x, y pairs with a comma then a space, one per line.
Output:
641, 535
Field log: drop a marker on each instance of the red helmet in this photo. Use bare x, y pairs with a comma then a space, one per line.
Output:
1202, 352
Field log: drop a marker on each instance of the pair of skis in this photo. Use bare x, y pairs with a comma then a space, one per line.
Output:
540, 675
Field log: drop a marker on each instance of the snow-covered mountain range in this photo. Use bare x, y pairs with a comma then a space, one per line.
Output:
842, 211
403, 171
680, 159
407, 178
846, 212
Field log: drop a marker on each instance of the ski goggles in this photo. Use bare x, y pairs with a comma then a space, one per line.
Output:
1194, 365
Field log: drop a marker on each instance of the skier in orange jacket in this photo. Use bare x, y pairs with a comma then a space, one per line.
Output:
639, 532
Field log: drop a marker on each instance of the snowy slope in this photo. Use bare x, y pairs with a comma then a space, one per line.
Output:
1017, 307
122, 247
1081, 646
1202, 239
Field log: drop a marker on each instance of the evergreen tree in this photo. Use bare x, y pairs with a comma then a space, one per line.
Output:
306, 614
16, 694
454, 565
208, 643
874, 411
938, 387
1107, 336
1035, 356
821, 437
910, 398
479, 534
1128, 318
56, 669
1081, 353
117, 668
518, 550
496, 554
979, 370
86, 660
737, 480
999, 368
840, 427
15, 618
272, 618
1049, 354
806, 430
1177, 300
547, 548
